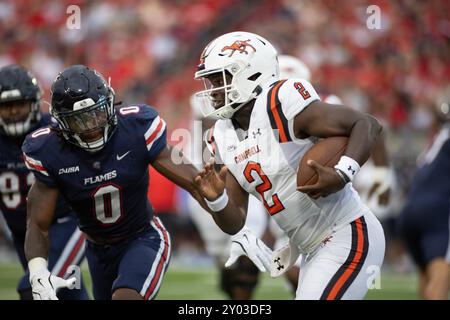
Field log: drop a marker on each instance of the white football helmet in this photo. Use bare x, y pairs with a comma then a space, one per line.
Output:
291, 67
249, 59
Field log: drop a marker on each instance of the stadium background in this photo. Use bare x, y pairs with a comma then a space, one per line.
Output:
150, 50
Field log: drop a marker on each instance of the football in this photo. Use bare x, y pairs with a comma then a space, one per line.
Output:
326, 152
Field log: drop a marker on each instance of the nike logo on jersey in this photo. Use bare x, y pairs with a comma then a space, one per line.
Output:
122, 156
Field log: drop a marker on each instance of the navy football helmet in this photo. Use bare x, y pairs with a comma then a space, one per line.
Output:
83, 105
20, 98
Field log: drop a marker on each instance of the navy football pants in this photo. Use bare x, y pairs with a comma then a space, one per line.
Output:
138, 263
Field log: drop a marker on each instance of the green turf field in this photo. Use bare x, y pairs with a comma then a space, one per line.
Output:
193, 283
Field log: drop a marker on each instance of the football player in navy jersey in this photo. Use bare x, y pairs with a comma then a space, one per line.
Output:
20, 113
97, 158
425, 219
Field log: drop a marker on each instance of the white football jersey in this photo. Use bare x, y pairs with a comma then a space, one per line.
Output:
264, 160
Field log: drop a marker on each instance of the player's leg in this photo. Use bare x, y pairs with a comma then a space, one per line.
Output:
239, 281
345, 263
126, 294
103, 261
437, 280
434, 248
66, 252
412, 233
422, 282
143, 264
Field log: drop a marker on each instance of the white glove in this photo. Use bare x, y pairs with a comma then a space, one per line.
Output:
246, 243
44, 285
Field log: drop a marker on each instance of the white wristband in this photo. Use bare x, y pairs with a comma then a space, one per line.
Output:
36, 264
220, 203
348, 166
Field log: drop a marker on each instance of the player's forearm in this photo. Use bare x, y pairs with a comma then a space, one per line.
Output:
41, 204
379, 153
230, 220
36, 242
363, 137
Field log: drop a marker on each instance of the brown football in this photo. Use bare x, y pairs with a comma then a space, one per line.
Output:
326, 152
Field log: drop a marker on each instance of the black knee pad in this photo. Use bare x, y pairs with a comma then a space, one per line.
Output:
243, 274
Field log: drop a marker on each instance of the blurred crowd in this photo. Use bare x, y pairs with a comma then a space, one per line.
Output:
150, 50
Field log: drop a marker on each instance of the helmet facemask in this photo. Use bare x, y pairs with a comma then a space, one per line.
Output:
23, 121
90, 124
233, 98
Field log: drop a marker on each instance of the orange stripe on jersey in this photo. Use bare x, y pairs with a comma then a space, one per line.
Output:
278, 120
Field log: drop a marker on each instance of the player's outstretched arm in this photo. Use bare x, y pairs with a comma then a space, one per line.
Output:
323, 120
41, 204
232, 217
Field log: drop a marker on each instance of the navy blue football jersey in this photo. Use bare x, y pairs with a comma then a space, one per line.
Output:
15, 181
107, 189
429, 196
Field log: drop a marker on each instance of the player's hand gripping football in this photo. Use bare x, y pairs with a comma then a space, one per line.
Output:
44, 285
246, 243
210, 182
327, 183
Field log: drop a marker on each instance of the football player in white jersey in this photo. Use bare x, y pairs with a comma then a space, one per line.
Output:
265, 127
375, 179
240, 278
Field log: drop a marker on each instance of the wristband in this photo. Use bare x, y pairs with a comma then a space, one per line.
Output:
343, 176
220, 203
348, 166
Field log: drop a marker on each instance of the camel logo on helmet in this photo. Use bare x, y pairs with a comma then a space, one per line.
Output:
239, 46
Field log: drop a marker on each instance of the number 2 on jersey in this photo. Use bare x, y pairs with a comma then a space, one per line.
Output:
265, 186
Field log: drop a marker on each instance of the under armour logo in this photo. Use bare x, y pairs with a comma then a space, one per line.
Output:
351, 169
258, 132
280, 266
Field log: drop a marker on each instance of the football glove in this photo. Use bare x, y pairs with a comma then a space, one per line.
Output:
44, 285
246, 243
